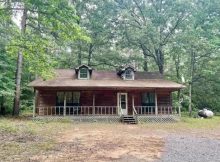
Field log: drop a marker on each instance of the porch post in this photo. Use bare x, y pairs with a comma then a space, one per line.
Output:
93, 104
133, 104
156, 107
64, 107
118, 107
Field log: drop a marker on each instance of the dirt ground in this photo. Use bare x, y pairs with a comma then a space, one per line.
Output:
105, 143
25, 140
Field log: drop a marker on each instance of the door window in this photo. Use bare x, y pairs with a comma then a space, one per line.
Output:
123, 101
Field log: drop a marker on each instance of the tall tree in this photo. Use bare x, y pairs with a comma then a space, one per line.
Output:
152, 24
19, 66
45, 25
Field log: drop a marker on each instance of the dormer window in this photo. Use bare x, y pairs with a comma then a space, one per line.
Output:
83, 73
129, 74
126, 73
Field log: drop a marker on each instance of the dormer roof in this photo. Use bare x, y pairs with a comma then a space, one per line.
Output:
122, 69
83, 65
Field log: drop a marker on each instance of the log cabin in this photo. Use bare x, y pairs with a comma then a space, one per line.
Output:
124, 94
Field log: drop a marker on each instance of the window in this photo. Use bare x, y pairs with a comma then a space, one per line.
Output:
148, 99
60, 99
83, 73
76, 97
72, 98
129, 74
123, 101
69, 98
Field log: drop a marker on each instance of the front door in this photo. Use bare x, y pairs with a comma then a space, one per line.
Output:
123, 103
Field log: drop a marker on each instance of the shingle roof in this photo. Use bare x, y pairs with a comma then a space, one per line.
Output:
106, 79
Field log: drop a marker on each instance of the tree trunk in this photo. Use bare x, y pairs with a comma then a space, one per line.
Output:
90, 54
79, 55
18, 84
160, 59
177, 65
190, 99
145, 63
192, 70
16, 107
145, 53
2, 106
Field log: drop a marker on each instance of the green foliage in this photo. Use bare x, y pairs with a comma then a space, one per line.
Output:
49, 26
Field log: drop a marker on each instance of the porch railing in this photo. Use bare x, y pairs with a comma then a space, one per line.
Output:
76, 110
151, 110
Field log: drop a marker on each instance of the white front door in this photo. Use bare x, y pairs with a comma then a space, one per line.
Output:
123, 103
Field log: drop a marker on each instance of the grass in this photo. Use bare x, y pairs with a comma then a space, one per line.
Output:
21, 139
188, 124
201, 122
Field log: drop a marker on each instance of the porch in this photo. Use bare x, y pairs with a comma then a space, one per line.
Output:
103, 103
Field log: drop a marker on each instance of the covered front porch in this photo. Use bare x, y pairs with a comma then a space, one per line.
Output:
111, 102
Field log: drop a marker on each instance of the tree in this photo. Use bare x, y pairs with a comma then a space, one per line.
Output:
151, 25
44, 27
7, 30
196, 48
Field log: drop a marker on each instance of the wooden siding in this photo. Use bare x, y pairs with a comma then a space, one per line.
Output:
163, 99
46, 99
86, 98
105, 98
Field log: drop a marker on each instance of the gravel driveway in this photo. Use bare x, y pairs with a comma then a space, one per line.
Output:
190, 149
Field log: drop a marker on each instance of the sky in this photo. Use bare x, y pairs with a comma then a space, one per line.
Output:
17, 14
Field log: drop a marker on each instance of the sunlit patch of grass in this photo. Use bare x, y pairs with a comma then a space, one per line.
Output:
185, 123
208, 123
7, 126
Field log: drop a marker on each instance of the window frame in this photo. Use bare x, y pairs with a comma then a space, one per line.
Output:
149, 96
131, 73
87, 72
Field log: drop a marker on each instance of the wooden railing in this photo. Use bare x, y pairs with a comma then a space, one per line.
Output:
76, 110
151, 110
101, 110
134, 111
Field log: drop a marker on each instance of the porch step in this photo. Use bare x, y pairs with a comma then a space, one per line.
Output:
129, 119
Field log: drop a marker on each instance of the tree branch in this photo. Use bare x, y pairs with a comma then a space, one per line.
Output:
142, 13
179, 20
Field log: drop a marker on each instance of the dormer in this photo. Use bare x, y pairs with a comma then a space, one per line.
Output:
83, 72
127, 72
